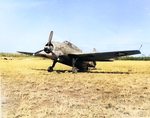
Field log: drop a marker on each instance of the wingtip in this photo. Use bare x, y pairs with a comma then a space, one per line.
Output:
18, 51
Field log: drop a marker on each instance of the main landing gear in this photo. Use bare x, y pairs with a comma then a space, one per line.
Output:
74, 69
50, 69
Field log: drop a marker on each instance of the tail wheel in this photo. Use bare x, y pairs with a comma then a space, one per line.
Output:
74, 70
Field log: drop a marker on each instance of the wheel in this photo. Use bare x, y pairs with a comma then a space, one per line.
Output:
74, 70
50, 69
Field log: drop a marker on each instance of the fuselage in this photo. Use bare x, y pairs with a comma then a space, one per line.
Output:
65, 48
60, 54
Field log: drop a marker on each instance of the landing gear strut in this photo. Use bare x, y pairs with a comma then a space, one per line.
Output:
74, 69
50, 69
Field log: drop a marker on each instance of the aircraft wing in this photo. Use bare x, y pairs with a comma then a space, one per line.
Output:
104, 56
27, 53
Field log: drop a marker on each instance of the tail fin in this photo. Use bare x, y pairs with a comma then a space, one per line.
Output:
94, 50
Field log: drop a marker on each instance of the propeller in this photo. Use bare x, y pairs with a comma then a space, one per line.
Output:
50, 37
49, 46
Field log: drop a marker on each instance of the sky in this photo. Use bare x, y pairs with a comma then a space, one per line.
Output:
107, 25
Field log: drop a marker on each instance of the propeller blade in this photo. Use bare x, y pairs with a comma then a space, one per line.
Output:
50, 37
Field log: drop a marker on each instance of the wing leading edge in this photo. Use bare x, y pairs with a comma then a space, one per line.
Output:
105, 56
27, 53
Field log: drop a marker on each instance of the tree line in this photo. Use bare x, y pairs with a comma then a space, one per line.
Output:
134, 58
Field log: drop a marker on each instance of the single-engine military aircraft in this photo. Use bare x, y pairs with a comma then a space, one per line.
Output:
69, 54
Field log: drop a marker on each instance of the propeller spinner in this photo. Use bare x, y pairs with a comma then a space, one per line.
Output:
49, 46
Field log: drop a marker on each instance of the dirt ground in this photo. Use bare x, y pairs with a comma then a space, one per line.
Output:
117, 89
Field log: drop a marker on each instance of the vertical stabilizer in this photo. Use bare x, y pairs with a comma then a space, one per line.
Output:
94, 50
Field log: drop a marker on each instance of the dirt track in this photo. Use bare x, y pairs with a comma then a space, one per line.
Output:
29, 91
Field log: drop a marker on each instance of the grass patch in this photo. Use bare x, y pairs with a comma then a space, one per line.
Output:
116, 89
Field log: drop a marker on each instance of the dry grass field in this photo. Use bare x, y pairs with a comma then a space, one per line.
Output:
116, 89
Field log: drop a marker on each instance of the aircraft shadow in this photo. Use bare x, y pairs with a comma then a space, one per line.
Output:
89, 71
108, 72
58, 71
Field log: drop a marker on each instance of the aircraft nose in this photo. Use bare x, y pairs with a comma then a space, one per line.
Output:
47, 50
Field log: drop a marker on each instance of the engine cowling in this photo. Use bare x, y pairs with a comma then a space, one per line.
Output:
48, 48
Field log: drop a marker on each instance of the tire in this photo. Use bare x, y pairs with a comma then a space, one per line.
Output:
74, 70
50, 69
